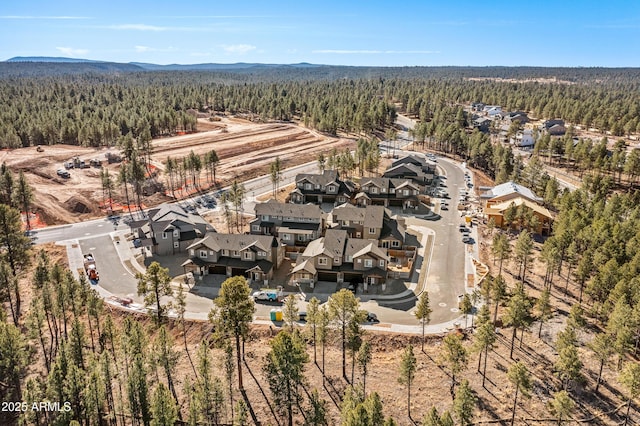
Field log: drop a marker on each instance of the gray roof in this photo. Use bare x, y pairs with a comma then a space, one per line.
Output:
370, 216
392, 228
238, 242
387, 183
356, 247
331, 245
510, 188
275, 208
173, 212
323, 179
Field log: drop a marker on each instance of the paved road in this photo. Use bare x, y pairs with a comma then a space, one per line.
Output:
445, 267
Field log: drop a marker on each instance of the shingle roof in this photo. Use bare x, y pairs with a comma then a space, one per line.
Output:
323, 179
370, 216
356, 247
217, 242
510, 188
275, 208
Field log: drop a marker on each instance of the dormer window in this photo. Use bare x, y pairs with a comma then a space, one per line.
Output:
373, 190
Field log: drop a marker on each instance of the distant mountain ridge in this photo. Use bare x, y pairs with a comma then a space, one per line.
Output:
156, 67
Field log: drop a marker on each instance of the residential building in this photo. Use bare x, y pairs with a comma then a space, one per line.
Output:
252, 256
425, 166
515, 116
338, 258
388, 192
322, 188
505, 192
497, 213
524, 139
168, 229
483, 124
371, 222
293, 224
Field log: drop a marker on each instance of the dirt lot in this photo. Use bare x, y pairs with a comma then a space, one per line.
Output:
245, 150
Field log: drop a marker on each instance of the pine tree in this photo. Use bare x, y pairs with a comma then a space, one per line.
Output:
23, 197
153, 285
284, 369
602, 347
454, 356
233, 313
423, 313
343, 306
408, 366
520, 378
485, 339
561, 406
464, 403
316, 414
630, 378
163, 408
518, 312
364, 357
544, 308
313, 313
290, 311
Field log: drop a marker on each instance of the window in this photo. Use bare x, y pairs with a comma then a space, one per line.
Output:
381, 263
255, 228
164, 235
406, 192
262, 253
358, 235
336, 260
225, 252
395, 243
247, 255
384, 190
350, 259
317, 186
286, 237
235, 253
308, 186
265, 217
192, 252
331, 188
368, 263
300, 237
322, 261
203, 253
374, 190
392, 190
176, 244
176, 233
372, 230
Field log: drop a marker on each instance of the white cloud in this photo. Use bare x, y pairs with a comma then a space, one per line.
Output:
70, 51
373, 52
42, 17
240, 49
138, 27
141, 49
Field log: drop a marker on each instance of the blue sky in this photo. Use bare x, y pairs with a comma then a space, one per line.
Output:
380, 33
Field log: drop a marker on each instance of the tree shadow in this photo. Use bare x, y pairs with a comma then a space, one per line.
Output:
255, 379
250, 407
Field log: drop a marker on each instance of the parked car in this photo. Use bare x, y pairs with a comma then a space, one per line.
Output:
302, 316
463, 228
63, 173
372, 317
467, 240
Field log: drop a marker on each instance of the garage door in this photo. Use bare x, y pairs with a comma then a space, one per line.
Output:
352, 278
327, 276
221, 270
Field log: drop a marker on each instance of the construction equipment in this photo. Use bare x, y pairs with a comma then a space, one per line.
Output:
90, 268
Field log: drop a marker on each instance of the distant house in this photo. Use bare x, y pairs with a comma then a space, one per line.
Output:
252, 256
483, 124
492, 110
338, 258
497, 212
477, 106
409, 171
293, 224
322, 188
554, 127
388, 192
516, 116
524, 139
507, 191
168, 229
550, 123
557, 130
427, 167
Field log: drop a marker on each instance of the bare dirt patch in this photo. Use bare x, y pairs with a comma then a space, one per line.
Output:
245, 149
